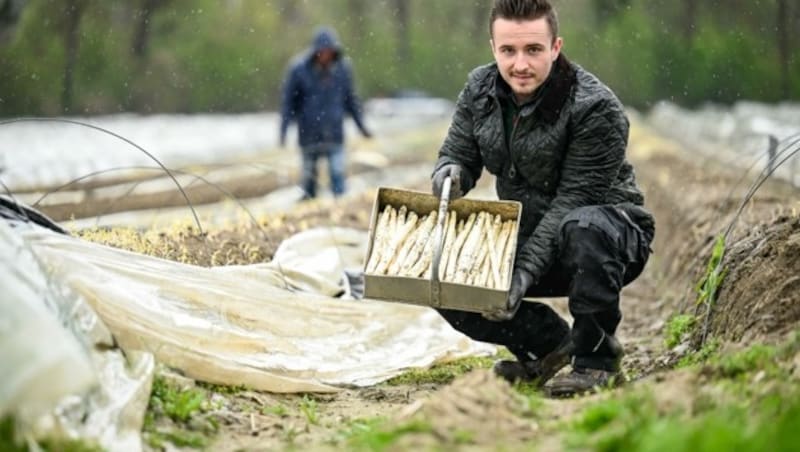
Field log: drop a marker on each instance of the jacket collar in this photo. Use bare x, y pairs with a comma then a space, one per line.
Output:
554, 92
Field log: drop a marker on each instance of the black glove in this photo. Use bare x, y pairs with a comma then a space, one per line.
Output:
520, 283
454, 171
366, 133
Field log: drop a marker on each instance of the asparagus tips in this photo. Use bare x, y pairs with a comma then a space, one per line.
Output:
477, 250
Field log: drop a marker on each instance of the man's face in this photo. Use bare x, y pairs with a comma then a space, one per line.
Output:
525, 52
326, 56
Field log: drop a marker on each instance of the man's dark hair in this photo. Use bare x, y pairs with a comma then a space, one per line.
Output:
524, 10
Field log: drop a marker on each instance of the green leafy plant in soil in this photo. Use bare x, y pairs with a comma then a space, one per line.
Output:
678, 329
715, 274
373, 435
740, 416
9, 441
446, 372
179, 405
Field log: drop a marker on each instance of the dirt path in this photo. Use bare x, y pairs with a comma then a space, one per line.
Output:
693, 201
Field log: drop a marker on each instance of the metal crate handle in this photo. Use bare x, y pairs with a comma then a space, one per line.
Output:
438, 242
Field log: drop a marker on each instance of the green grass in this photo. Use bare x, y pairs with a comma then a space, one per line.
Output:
373, 435
358, 427
277, 410
442, 373
728, 411
712, 279
633, 424
176, 437
678, 329
706, 352
8, 441
756, 358
222, 389
180, 405
309, 408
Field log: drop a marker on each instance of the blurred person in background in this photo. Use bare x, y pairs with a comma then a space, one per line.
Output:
317, 93
555, 138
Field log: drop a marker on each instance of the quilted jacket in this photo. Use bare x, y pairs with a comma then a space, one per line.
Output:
565, 150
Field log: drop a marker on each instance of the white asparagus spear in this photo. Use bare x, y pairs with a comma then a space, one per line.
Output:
397, 261
508, 251
452, 253
492, 234
449, 239
388, 255
401, 219
418, 267
485, 279
425, 234
505, 230
469, 251
474, 271
455, 255
378, 238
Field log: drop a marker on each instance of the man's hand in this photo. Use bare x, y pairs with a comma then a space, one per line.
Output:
520, 283
454, 171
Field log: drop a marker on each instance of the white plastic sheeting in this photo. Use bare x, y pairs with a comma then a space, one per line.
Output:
272, 327
27, 149
736, 136
61, 373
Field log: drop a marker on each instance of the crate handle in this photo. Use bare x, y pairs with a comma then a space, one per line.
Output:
438, 242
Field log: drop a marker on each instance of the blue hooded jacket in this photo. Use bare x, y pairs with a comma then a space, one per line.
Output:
319, 98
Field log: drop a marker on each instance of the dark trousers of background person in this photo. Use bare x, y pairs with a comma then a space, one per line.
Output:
334, 153
600, 250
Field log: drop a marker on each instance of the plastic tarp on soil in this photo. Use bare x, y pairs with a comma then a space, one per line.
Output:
61, 374
275, 327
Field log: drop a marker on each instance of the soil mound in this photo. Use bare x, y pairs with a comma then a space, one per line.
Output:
694, 200
760, 299
477, 409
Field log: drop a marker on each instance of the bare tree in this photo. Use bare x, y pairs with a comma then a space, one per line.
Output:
784, 52
10, 10
689, 18
141, 34
358, 13
402, 13
73, 11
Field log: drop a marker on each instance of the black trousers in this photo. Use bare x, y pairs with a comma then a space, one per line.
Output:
600, 249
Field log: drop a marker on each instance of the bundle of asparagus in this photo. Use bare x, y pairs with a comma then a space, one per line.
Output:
477, 250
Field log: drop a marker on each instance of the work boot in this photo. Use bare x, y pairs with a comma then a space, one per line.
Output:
536, 370
516, 371
582, 380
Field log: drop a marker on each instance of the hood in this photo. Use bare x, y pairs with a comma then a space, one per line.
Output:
325, 37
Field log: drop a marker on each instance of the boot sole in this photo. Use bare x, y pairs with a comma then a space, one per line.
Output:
554, 362
566, 391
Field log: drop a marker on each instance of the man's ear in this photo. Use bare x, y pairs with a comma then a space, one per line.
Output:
557, 47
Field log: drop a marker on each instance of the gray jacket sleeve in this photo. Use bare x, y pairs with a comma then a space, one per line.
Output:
460, 146
593, 159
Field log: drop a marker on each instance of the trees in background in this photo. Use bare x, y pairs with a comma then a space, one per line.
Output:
101, 56
72, 11
143, 26
784, 49
10, 11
